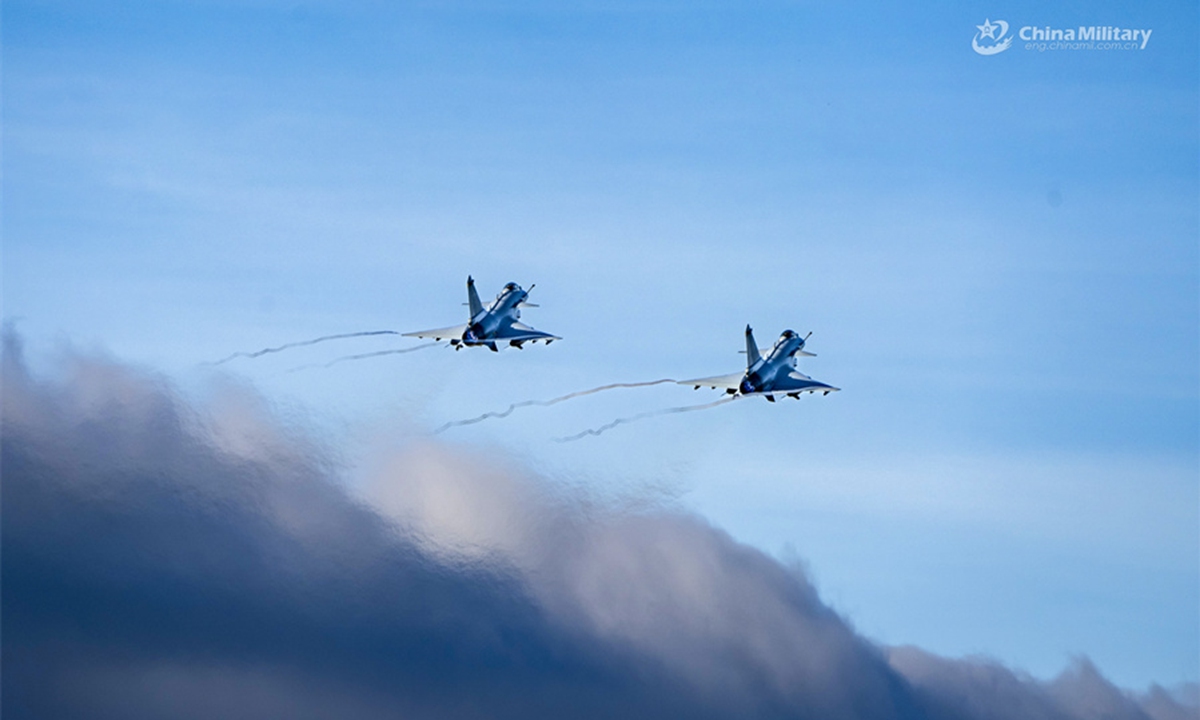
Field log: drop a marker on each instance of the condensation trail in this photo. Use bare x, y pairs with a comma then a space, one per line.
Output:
302, 343
642, 416
363, 356
547, 403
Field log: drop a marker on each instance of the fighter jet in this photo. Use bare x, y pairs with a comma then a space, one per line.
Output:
497, 324
769, 376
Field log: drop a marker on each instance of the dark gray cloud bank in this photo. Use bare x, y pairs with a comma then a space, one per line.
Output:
166, 561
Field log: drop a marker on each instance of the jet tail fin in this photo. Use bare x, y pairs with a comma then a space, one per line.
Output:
473, 298
752, 355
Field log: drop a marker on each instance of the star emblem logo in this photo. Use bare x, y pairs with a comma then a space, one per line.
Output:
987, 29
992, 35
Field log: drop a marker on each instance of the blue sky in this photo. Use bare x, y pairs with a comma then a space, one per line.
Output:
997, 256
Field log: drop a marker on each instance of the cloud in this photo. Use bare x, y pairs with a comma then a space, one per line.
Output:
162, 559
983, 689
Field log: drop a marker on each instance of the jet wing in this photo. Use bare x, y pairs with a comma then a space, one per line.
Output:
795, 383
450, 333
725, 382
520, 332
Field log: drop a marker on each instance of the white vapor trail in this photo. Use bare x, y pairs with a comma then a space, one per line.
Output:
363, 356
546, 403
302, 343
642, 416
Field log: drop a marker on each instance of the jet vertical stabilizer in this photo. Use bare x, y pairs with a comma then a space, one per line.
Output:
473, 298
752, 355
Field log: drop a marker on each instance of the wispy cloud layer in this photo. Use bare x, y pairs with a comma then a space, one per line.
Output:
162, 559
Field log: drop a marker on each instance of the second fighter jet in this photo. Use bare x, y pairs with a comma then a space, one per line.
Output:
772, 375
496, 324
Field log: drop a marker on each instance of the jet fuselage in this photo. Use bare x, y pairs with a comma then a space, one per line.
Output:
503, 312
761, 374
